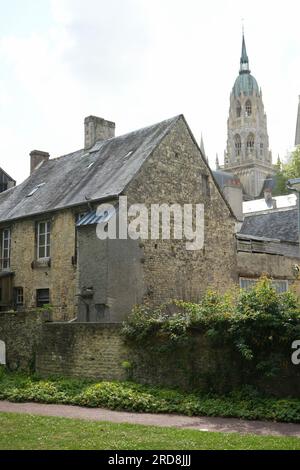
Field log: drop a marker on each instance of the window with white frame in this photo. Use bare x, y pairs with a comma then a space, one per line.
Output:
43, 239
19, 296
280, 286
5, 249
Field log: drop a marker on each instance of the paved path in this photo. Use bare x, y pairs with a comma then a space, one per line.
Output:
178, 421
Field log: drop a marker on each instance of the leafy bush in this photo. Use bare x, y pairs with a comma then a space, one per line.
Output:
259, 324
245, 403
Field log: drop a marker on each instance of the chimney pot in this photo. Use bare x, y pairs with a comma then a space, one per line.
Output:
37, 157
97, 129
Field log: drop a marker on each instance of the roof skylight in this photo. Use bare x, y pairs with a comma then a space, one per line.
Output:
34, 190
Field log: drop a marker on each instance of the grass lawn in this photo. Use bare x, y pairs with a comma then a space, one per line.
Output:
21, 431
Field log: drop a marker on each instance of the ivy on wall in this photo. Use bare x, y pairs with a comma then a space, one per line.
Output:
255, 328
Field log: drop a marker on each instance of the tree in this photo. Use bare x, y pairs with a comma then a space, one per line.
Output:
292, 168
280, 180
285, 171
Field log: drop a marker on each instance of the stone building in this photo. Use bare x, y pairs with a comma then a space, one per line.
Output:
6, 181
50, 251
297, 137
248, 155
268, 242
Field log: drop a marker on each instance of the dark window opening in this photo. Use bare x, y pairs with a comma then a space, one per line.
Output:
250, 143
205, 185
248, 108
42, 297
18, 296
238, 145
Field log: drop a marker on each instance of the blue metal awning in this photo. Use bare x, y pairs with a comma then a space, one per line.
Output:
96, 217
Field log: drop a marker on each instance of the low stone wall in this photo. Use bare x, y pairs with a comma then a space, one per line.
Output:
200, 365
92, 350
21, 333
98, 351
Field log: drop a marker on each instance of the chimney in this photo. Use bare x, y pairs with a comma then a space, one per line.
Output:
271, 203
96, 129
36, 158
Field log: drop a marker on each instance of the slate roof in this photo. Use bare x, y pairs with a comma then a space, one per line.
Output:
280, 225
102, 172
226, 179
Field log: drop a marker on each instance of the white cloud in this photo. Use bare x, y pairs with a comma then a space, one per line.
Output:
137, 62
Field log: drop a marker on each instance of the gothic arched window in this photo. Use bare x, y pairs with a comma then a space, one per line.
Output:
238, 109
248, 108
261, 149
250, 143
237, 145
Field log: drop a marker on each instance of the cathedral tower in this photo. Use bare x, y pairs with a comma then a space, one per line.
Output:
248, 155
297, 138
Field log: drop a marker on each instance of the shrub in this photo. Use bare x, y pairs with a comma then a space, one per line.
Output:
246, 403
258, 324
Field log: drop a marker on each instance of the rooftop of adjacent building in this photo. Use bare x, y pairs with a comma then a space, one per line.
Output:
278, 224
257, 206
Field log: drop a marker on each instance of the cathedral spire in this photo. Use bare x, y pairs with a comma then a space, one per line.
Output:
202, 147
244, 62
297, 139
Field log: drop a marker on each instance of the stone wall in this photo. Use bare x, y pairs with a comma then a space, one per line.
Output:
92, 350
21, 333
203, 365
175, 173
98, 351
60, 276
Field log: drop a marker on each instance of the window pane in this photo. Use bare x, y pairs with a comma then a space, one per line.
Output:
41, 252
42, 240
42, 227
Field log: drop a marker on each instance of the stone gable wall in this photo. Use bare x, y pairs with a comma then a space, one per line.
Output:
173, 175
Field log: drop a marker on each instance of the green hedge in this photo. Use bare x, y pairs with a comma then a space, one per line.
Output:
129, 396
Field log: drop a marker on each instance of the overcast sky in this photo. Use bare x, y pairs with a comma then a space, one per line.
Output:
137, 62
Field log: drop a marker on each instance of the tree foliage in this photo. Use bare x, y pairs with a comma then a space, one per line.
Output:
286, 171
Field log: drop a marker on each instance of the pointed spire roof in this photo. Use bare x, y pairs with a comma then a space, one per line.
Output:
217, 162
202, 147
244, 62
244, 58
297, 138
